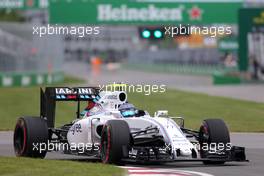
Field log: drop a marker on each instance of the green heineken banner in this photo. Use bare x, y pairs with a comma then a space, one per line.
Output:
23, 4
143, 12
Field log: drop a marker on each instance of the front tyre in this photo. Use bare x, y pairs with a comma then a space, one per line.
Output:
115, 140
213, 132
31, 137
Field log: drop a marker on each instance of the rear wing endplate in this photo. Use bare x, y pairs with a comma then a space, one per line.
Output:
50, 95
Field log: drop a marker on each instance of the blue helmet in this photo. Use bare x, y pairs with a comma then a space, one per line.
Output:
127, 110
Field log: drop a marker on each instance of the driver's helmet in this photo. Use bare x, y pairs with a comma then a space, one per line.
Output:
95, 110
127, 110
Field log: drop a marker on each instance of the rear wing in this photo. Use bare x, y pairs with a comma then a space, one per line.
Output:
50, 95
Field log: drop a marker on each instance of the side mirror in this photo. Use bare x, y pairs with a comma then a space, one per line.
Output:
161, 113
179, 121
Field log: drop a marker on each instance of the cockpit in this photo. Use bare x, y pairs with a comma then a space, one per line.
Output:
128, 110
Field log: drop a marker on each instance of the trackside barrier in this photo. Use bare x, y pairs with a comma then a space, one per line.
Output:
29, 79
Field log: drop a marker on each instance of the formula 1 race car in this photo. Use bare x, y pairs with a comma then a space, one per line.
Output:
113, 130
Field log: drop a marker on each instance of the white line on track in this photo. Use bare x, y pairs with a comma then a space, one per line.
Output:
143, 171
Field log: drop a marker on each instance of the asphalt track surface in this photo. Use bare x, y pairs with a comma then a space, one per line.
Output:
191, 83
254, 143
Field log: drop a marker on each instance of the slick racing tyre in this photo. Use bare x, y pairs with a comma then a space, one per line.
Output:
213, 132
31, 137
115, 140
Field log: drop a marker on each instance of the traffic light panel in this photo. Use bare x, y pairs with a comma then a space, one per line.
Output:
153, 33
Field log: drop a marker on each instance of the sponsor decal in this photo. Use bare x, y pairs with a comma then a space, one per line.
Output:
30, 3
112, 97
7, 81
73, 90
49, 79
11, 3
24, 4
259, 19
76, 128
43, 3
195, 13
147, 13
40, 79
106, 12
25, 80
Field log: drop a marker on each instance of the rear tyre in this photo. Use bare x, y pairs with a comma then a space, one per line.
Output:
115, 141
31, 137
213, 132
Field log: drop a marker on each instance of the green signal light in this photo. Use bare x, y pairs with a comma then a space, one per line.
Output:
157, 34
146, 34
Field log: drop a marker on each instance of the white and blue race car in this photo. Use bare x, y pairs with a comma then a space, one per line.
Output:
114, 131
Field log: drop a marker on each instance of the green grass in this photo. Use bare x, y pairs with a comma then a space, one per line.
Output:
31, 167
73, 80
240, 115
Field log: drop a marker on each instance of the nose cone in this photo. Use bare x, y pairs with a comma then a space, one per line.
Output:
185, 151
